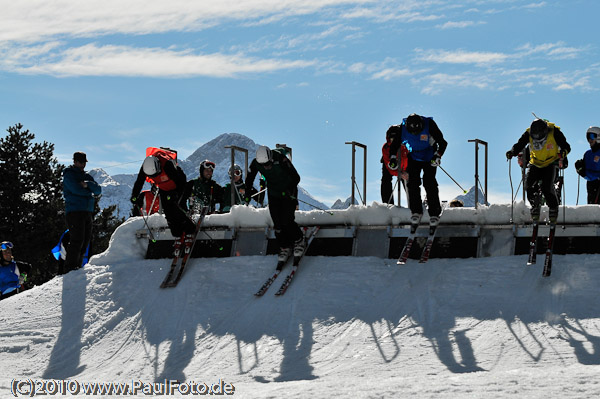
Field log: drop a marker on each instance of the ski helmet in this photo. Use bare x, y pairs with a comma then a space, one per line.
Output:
237, 170
151, 166
263, 154
414, 124
593, 133
538, 129
206, 164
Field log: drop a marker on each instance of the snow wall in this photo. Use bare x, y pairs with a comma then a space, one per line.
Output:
380, 230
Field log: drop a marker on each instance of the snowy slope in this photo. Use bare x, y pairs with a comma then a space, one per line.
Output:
349, 327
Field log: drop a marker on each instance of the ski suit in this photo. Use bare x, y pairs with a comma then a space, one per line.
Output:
591, 173
543, 165
421, 149
204, 192
171, 183
282, 190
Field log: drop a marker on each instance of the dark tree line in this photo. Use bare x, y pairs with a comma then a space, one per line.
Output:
32, 206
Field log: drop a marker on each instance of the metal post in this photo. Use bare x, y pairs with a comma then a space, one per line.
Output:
245, 152
364, 147
485, 194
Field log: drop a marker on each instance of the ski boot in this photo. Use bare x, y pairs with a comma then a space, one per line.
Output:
415, 219
299, 247
284, 254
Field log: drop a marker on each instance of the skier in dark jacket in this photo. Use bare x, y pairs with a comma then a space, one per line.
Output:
548, 148
282, 191
12, 273
239, 189
589, 166
161, 169
79, 190
204, 191
425, 145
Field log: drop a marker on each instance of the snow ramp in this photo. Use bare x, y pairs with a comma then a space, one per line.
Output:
357, 327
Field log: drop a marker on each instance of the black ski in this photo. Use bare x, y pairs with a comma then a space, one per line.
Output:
408, 243
533, 244
177, 253
549, 250
428, 244
188, 249
267, 284
288, 279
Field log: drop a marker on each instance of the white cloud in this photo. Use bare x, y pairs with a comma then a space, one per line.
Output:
435, 83
391, 73
35, 20
93, 60
460, 57
459, 24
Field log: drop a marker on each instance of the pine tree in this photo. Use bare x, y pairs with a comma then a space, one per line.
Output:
31, 204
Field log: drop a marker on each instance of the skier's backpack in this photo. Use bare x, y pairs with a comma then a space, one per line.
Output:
164, 155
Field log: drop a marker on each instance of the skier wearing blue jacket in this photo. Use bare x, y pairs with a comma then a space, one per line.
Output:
589, 166
12, 273
79, 190
425, 144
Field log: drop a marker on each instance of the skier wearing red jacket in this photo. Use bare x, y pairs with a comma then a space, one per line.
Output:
160, 168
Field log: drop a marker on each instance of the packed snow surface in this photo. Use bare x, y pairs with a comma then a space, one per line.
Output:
347, 326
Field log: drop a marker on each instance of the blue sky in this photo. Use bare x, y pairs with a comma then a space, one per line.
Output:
113, 77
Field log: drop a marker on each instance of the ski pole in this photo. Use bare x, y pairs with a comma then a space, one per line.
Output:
392, 194
512, 192
309, 204
443, 170
146, 223
564, 199
260, 192
578, 179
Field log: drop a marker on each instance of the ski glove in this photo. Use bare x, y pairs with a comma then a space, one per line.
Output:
580, 167
509, 154
436, 160
393, 163
133, 200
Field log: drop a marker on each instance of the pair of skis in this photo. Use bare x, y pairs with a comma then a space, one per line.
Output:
411, 239
308, 237
549, 250
187, 242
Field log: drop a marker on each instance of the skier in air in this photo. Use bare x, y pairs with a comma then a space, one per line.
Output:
548, 148
160, 168
425, 145
282, 191
204, 191
12, 273
589, 166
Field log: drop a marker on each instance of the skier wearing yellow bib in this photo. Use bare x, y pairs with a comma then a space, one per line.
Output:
548, 149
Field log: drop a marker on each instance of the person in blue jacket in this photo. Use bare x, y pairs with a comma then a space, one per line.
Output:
426, 145
12, 273
589, 166
79, 190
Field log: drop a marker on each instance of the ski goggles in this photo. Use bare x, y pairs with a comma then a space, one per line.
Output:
208, 165
237, 172
591, 136
6, 245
